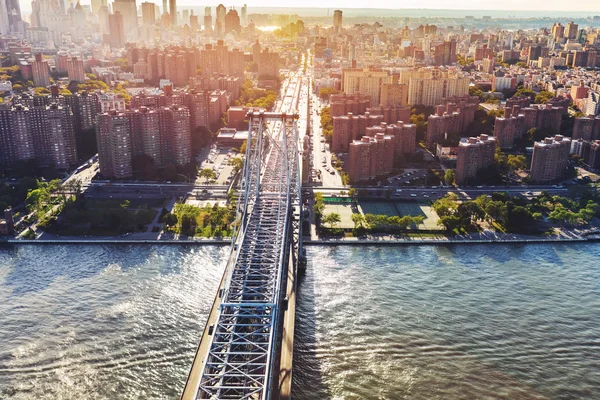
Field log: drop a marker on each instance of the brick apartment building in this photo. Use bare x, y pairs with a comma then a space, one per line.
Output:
550, 158
474, 154
370, 157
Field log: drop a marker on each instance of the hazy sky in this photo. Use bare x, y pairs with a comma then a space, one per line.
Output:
581, 5
545, 5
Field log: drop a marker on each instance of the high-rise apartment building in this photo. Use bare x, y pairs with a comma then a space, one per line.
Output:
147, 138
586, 128
365, 82
550, 158
558, 31
40, 133
41, 72
61, 62
450, 118
59, 146
370, 157
474, 155
429, 86
75, 70
21, 133
113, 135
179, 138
394, 94
351, 127
571, 30
342, 104
268, 65
445, 53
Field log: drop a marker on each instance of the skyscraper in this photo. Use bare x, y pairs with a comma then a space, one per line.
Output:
4, 23
117, 30
128, 10
232, 22
103, 18
221, 12
244, 20
15, 21
173, 12
148, 13
96, 4
337, 21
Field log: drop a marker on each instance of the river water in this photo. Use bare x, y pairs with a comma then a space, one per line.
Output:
419, 322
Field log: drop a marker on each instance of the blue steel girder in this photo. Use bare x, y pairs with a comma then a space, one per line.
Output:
242, 347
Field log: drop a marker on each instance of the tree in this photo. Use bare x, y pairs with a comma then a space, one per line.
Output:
208, 174
332, 219
188, 225
450, 222
516, 162
449, 177
319, 206
359, 221
352, 192
470, 211
237, 164
170, 219
446, 206
543, 97
125, 205
324, 93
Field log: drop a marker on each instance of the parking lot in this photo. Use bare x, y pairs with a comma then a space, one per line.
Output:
218, 159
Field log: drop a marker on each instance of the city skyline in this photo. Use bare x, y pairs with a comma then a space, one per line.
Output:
410, 6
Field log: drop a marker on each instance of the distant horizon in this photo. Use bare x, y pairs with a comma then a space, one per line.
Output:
542, 11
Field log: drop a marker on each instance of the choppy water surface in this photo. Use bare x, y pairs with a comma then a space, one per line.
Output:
102, 322
460, 322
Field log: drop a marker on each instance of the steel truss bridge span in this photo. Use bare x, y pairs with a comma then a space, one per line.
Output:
240, 351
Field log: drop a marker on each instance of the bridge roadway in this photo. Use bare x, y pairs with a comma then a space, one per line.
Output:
246, 347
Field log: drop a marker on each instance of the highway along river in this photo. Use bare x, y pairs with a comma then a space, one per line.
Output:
419, 322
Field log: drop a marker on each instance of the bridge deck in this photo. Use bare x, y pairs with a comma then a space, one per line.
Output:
238, 356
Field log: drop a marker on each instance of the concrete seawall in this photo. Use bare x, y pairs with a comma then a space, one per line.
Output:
318, 242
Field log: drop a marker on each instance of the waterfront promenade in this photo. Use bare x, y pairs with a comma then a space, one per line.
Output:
485, 237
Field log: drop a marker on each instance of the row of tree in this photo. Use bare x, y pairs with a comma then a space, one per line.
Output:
255, 97
326, 124
517, 215
463, 216
206, 221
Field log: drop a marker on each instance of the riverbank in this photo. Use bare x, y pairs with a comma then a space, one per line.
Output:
384, 240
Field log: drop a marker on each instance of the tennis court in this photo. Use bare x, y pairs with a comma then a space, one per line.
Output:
345, 212
415, 209
374, 207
